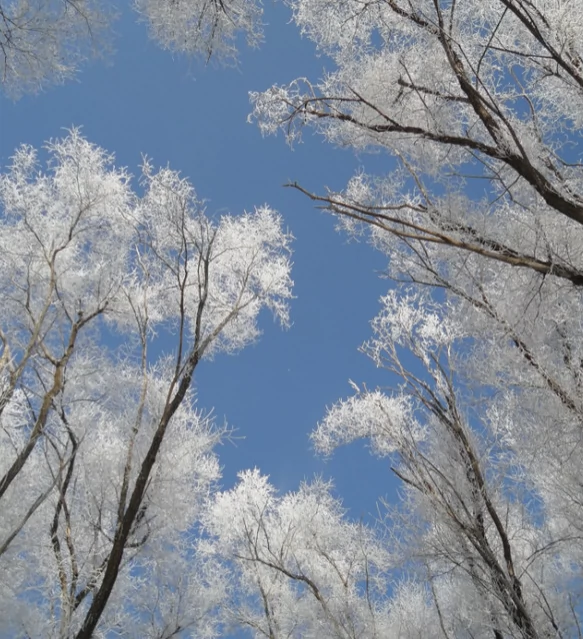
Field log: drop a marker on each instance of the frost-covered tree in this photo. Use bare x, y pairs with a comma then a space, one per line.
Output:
45, 41
110, 300
300, 569
207, 27
478, 106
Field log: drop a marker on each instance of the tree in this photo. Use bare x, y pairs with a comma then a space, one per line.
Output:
45, 41
298, 564
207, 27
479, 104
42, 42
105, 459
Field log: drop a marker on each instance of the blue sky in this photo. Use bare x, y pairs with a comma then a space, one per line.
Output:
179, 111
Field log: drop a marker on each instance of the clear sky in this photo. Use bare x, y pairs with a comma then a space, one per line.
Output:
193, 117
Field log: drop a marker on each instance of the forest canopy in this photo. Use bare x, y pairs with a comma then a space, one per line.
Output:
119, 292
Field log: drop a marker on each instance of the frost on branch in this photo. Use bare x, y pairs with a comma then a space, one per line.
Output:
207, 27
234, 266
70, 227
384, 93
387, 422
45, 41
277, 108
339, 28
